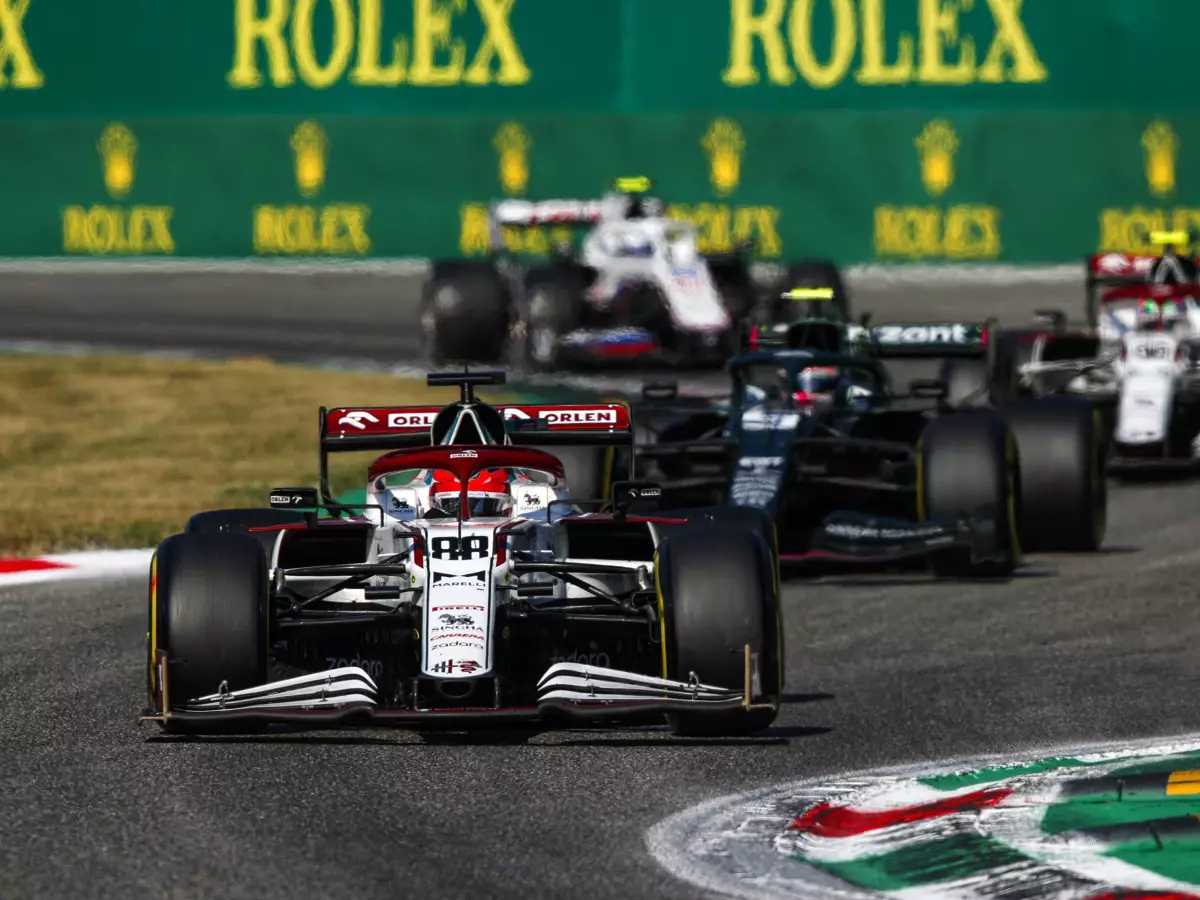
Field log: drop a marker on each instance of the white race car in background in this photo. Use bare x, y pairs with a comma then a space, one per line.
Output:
1141, 364
636, 286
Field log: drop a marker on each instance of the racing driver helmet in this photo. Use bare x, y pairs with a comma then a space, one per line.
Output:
1149, 316
1172, 314
488, 495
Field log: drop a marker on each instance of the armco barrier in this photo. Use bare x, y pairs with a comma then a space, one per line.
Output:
868, 130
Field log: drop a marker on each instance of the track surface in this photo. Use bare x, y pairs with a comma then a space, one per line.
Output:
350, 315
883, 671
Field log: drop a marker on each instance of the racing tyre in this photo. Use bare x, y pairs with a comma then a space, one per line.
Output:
465, 316
717, 597
1064, 489
968, 463
555, 308
238, 520
738, 518
208, 612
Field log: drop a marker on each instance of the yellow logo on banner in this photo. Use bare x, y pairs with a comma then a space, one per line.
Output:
15, 56
942, 52
724, 143
335, 229
512, 142
118, 150
1130, 230
720, 227
104, 229
937, 145
1161, 146
435, 53
309, 143
933, 232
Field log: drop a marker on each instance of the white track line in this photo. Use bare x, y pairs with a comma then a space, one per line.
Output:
93, 565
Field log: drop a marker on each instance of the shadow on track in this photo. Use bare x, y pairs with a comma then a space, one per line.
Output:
915, 578
643, 736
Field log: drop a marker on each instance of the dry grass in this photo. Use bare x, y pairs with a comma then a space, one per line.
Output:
115, 451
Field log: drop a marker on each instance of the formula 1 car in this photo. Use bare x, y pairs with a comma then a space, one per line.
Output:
853, 472
638, 288
470, 591
1138, 360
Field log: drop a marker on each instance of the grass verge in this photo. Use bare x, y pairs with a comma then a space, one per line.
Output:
118, 451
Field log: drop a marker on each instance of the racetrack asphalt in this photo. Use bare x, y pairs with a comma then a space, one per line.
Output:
881, 670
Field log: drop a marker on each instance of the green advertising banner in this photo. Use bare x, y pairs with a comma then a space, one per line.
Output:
866, 130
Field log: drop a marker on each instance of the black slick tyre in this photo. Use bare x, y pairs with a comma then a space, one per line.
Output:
465, 316
717, 597
1064, 489
733, 517
968, 465
239, 520
208, 613
554, 308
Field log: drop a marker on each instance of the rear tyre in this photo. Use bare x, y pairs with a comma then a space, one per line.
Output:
1064, 490
555, 308
717, 596
208, 612
239, 520
969, 463
465, 317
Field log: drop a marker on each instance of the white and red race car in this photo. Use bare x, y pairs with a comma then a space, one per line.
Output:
470, 591
1139, 357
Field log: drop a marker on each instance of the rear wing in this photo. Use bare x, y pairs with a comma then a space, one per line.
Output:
522, 214
825, 335
397, 427
930, 339
382, 428
527, 213
1106, 270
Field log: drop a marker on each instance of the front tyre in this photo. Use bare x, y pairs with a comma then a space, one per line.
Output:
465, 317
209, 614
239, 521
968, 464
717, 597
1064, 488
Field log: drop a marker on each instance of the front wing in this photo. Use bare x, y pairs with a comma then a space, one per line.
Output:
856, 539
349, 697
